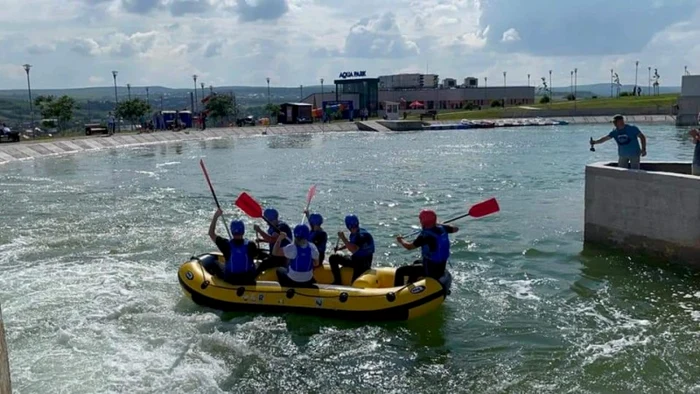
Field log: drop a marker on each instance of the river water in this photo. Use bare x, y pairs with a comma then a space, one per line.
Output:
90, 246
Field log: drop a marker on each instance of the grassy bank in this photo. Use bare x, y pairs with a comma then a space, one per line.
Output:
662, 101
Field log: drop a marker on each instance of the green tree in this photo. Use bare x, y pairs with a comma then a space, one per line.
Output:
544, 100
220, 106
132, 110
60, 108
273, 110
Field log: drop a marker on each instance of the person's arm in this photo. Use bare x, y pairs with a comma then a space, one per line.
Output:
351, 247
600, 140
262, 235
406, 245
277, 250
212, 225
643, 140
450, 228
314, 255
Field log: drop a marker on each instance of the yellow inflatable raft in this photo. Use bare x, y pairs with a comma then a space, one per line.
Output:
372, 296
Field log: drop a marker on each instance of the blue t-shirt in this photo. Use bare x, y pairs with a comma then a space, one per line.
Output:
627, 142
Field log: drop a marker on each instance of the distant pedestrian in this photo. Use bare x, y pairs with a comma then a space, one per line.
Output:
695, 135
628, 148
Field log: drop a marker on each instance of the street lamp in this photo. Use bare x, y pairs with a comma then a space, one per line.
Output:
116, 101
649, 82
550, 89
194, 78
268, 90
211, 89
504, 90
323, 113
128, 90
486, 85
202, 85
571, 85
611, 83
575, 85
27, 67
301, 92
148, 97
636, 71
528, 80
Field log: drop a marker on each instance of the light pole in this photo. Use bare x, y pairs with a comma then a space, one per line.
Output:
551, 98
504, 90
486, 85
27, 67
571, 86
636, 72
194, 78
268, 90
528, 80
128, 90
301, 92
685, 68
323, 112
116, 101
211, 89
611, 83
202, 85
649, 82
148, 97
575, 85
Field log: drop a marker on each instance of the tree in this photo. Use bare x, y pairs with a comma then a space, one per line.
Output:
544, 89
273, 110
132, 110
544, 100
570, 97
220, 106
60, 109
496, 104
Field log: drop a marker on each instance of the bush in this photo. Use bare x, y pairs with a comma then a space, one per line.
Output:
625, 94
496, 104
545, 100
469, 106
594, 97
570, 97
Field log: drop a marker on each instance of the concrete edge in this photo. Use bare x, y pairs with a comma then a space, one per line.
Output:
5, 382
608, 169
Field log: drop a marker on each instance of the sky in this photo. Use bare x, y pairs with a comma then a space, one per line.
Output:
77, 43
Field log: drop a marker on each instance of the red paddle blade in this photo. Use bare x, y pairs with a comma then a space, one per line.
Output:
312, 193
484, 208
248, 205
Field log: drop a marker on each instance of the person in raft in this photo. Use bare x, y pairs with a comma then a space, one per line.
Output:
270, 236
361, 247
434, 242
695, 135
628, 148
318, 236
302, 257
238, 252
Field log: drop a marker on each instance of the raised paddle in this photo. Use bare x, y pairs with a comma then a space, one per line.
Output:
309, 196
213, 193
252, 208
476, 211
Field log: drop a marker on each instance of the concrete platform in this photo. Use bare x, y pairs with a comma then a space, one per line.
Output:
653, 211
27, 150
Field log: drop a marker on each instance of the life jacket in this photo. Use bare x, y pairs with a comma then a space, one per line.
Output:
271, 230
239, 261
442, 241
366, 249
317, 238
304, 261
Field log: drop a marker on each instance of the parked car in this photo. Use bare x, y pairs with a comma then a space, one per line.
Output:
247, 121
7, 135
95, 128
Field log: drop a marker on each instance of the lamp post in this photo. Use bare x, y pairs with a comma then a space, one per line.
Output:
486, 85
551, 98
685, 68
528, 80
194, 78
148, 97
27, 67
571, 85
323, 113
211, 89
268, 90
301, 92
575, 85
636, 72
128, 90
649, 82
116, 101
504, 90
611, 83
202, 85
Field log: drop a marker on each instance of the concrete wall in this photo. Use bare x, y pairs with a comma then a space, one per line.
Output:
689, 101
4, 362
513, 95
655, 211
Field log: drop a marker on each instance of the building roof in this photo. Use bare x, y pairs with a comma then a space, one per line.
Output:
351, 80
298, 104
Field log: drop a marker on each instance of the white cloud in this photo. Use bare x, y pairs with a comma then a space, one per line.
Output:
95, 80
510, 35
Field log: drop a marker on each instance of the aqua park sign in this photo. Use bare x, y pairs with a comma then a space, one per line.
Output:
352, 74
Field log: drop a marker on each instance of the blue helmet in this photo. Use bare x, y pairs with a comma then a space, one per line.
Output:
315, 219
271, 214
351, 221
301, 231
237, 227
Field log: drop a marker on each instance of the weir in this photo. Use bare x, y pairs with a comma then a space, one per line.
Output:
653, 211
5, 387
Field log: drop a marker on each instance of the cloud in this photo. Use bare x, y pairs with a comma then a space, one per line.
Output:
213, 49
510, 35
96, 80
375, 37
85, 47
140, 6
118, 44
254, 10
40, 49
183, 7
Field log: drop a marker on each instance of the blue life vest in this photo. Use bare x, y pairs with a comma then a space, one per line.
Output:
316, 238
442, 241
239, 261
366, 249
304, 261
284, 228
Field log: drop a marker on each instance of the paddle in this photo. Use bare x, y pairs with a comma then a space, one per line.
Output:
252, 208
476, 211
213, 193
309, 196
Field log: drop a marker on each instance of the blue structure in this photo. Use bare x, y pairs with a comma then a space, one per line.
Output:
331, 107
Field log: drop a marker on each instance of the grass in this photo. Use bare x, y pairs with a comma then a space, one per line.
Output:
663, 101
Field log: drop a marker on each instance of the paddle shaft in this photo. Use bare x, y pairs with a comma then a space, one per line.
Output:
213, 193
445, 222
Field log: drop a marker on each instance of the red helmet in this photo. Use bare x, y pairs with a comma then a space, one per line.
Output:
427, 218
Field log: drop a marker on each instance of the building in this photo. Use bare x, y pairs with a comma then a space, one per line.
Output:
442, 99
408, 81
471, 82
689, 101
448, 83
295, 113
366, 89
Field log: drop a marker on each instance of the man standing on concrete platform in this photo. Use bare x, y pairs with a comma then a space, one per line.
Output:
628, 148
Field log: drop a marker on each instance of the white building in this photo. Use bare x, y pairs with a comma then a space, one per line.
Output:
448, 83
471, 82
408, 81
689, 101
